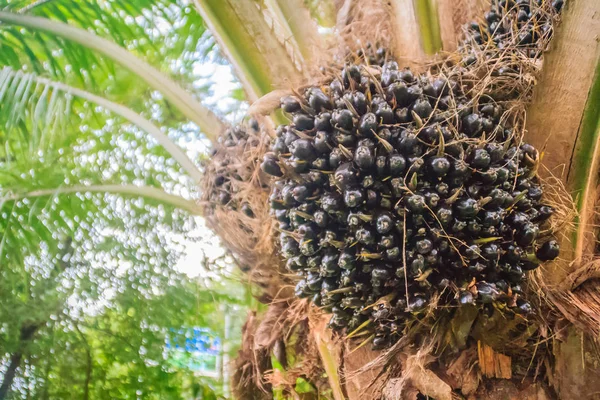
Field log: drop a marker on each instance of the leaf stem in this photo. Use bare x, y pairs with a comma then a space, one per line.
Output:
133, 190
262, 55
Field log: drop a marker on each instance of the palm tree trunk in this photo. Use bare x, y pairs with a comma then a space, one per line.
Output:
563, 120
263, 57
88, 375
9, 376
27, 332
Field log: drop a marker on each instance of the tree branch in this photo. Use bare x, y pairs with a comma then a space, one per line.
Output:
210, 124
9, 375
88, 369
133, 190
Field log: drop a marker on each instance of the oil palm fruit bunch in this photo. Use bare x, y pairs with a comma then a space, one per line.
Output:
398, 187
373, 54
225, 170
509, 41
520, 25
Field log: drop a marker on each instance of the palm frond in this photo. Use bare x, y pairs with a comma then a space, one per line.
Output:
33, 116
210, 124
129, 190
137, 25
107, 221
71, 168
48, 108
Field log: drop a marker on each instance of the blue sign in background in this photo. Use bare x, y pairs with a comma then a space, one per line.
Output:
196, 340
195, 348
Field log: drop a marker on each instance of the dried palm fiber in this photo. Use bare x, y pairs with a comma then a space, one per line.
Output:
392, 25
247, 370
504, 72
278, 349
453, 15
578, 298
294, 347
360, 23
234, 204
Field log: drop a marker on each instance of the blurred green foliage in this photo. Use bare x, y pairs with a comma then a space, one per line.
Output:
88, 285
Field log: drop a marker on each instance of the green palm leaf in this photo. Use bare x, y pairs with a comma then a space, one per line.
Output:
204, 118
50, 110
60, 165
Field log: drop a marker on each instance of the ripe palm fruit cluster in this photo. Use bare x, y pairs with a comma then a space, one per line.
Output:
226, 171
394, 186
523, 23
506, 44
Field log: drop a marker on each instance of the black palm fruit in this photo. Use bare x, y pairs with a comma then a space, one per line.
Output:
346, 176
304, 122
439, 166
548, 251
467, 207
411, 190
271, 166
342, 119
225, 179
290, 104
367, 124
364, 156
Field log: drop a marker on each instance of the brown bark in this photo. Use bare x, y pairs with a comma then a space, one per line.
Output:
577, 370
360, 386
554, 122
88, 366
27, 332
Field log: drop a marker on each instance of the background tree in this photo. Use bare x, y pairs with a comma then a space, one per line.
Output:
97, 201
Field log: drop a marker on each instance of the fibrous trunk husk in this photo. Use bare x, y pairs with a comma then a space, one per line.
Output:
235, 206
279, 350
